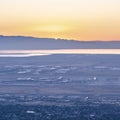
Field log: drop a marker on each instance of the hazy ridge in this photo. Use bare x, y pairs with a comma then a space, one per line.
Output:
31, 43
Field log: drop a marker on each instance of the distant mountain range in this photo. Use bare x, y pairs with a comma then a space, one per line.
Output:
31, 43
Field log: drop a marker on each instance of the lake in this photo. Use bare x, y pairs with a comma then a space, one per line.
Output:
28, 53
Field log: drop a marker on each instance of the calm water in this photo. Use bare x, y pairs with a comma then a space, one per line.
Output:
28, 53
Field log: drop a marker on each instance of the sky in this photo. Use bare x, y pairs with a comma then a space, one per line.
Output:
66, 19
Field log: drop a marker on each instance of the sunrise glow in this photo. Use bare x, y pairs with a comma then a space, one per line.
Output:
67, 19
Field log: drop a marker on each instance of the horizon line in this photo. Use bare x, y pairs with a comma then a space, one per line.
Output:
27, 36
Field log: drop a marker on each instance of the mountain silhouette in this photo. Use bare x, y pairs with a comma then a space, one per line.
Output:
31, 43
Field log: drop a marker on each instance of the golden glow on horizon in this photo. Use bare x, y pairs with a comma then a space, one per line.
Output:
68, 19
49, 28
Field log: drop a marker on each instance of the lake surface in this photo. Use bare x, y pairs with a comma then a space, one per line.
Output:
28, 53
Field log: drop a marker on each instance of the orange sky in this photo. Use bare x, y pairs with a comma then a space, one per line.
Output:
68, 19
